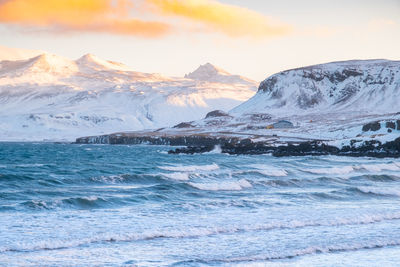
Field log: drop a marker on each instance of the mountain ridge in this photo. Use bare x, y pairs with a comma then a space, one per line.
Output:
52, 97
335, 86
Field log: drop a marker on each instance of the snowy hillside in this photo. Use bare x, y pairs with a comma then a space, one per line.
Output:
339, 103
55, 98
369, 86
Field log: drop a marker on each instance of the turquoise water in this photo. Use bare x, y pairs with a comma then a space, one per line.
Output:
79, 205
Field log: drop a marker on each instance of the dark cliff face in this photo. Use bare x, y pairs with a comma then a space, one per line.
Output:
268, 84
316, 75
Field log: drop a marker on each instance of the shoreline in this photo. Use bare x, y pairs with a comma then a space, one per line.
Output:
234, 145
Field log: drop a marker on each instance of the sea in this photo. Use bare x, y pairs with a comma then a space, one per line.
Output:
103, 205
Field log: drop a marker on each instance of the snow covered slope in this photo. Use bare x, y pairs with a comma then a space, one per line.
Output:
55, 98
369, 86
336, 102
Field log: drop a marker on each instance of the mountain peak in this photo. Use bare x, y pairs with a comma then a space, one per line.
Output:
89, 58
93, 61
210, 73
206, 72
48, 63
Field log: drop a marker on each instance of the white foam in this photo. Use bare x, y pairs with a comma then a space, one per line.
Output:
197, 232
363, 167
30, 165
109, 179
191, 168
312, 250
269, 170
380, 167
90, 198
179, 176
223, 186
217, 150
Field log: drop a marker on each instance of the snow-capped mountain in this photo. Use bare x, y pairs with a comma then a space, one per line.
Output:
211, 73
362, 86
52, 97
339, 102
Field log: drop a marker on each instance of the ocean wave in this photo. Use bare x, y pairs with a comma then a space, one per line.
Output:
191, 168
124, 178
379, 191
78, 202
194, 232
268, 170
223, 186
380, 167
109, 179
30, 165
179, 176
377, 177
312, 250
348, 169
334, 170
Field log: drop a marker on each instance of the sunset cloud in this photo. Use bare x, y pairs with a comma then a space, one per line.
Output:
116, 17
80, 15
229, 19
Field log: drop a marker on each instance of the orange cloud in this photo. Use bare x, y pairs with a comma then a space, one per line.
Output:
79, 15
231, 20
115, 17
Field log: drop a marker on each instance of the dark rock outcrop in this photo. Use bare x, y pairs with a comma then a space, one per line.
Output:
391, 125
216, 114
199, 143
184, 125
371, 148
373, 126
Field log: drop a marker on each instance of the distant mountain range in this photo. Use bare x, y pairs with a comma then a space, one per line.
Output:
55, 98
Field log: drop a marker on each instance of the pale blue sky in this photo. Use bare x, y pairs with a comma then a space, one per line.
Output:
322, 31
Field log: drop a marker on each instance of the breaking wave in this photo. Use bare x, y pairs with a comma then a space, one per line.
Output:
313, 250
179, 176
390, 192
194, 232
76, 202
191, 168
363, 167
268, 170
223, 186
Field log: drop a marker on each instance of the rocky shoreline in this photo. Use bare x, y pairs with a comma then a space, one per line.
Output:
203, 143
312, 148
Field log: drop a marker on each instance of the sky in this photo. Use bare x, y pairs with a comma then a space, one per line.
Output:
253, 38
